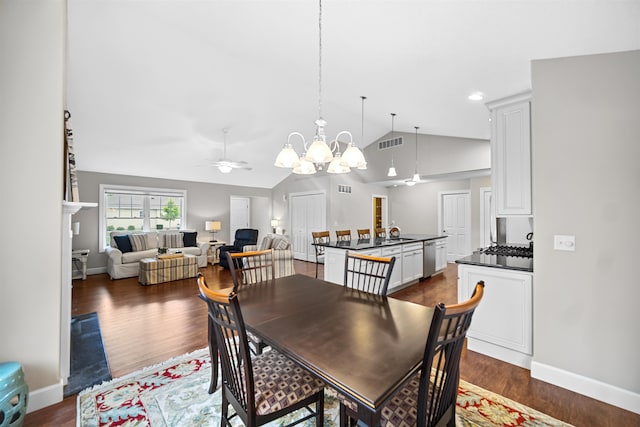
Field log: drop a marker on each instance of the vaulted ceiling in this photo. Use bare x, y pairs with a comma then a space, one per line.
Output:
152, 84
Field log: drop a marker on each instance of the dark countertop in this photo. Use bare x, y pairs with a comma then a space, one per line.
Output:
498, 261
363, 244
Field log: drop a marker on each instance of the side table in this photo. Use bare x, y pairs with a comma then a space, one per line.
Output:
79, 256
213, 256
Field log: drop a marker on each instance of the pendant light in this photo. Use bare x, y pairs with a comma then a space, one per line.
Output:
318, 152
416, 175
392, 169
353, 157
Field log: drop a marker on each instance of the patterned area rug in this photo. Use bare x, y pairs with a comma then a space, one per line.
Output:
174, 393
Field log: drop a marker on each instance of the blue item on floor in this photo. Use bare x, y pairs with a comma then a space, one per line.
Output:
13, 395
89, 364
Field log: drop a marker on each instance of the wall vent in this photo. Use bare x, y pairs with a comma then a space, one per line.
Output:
344, 189
390, 143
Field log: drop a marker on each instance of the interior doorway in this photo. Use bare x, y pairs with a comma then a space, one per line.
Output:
454, 220
308, 212
240, 214
379, 213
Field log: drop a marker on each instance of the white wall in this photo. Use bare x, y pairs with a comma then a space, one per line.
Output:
32, 43
586, 183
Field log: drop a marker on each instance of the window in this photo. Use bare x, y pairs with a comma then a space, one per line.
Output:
140, 209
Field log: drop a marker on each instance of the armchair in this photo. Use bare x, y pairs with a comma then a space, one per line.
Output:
243, 237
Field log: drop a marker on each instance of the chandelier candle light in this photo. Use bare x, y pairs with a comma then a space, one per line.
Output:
318, 152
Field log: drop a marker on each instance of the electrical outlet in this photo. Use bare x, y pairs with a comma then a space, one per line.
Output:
564, 243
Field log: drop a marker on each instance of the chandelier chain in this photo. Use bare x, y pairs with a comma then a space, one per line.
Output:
320, 59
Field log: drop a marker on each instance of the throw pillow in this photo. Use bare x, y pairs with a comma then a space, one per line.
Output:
280, 244
189, 238
173, 240
138, 242
266, 243
123, 243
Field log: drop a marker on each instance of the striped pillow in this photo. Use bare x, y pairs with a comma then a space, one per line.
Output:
173, 240
138, 242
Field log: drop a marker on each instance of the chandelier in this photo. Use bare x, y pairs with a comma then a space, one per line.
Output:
317, 153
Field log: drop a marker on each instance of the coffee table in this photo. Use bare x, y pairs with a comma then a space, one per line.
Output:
153, 270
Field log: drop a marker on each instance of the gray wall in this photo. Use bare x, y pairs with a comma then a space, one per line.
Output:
436, 155
204, 202
32, 40
415, 209
586, 180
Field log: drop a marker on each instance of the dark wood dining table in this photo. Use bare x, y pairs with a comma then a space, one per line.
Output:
363, 345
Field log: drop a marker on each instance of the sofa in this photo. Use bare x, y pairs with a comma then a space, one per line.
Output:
127, 248
282, 253
243, 237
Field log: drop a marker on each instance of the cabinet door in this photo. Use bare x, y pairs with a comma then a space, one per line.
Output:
411, 265
504, 316
511, 155
396, 274
441, 255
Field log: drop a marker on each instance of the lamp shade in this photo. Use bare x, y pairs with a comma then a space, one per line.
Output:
274, 222
213, 225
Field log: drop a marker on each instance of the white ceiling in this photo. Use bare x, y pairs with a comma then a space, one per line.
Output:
151, 84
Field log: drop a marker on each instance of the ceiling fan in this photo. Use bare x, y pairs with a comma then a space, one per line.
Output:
225, 165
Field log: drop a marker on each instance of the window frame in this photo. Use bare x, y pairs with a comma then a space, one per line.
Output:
147, 192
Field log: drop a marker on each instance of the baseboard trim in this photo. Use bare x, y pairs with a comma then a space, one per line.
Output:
96, 270
604, 392
46, 396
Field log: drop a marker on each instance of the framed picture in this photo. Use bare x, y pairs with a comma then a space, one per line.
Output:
72, 193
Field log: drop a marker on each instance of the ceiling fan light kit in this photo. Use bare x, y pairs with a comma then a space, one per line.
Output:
225, 165
318, 153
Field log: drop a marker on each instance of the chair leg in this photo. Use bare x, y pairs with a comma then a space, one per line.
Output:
320, 410
316, 268
213, 353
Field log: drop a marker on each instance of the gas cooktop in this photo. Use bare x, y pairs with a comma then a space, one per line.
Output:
509, 250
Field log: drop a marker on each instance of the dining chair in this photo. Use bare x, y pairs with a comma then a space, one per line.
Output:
381, 233
368, 273
262, 388
320, 237
256, 268
213, 347
364, 233
429, 398
343, 235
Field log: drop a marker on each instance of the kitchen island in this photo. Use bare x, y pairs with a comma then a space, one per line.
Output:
408, 249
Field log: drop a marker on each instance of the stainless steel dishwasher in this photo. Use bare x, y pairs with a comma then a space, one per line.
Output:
429, 258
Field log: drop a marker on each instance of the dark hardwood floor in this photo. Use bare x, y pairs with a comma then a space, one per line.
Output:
145, 325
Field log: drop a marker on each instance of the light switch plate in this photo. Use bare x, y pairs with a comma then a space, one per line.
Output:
564, 243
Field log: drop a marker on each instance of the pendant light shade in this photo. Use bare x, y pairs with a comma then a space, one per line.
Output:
392, 170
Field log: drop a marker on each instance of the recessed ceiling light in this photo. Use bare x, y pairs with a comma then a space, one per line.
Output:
476, 96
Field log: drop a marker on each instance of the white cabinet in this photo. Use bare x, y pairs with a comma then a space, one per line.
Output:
396, 274
502, 324
511, 154
411, 262
334, 263
441, 254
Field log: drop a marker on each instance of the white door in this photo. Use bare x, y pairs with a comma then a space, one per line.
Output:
308, 213
456, 223
487, 218
240, 214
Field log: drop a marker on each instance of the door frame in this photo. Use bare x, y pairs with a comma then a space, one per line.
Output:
385, 212
483, 219
467, 220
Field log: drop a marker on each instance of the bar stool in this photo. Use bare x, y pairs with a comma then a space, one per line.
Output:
13, 395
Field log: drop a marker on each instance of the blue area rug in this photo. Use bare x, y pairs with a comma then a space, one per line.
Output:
89, 364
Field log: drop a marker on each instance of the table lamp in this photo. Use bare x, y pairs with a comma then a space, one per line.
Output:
212, 227
274, 225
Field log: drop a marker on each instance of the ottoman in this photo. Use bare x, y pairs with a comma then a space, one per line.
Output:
159, 270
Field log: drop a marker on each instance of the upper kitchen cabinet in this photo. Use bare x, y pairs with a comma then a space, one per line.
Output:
511, 154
